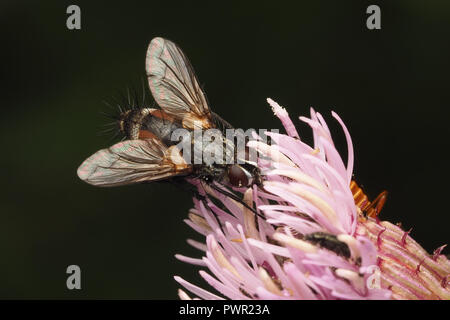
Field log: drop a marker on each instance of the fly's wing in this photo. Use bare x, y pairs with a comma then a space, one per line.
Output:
174, 85
133, 161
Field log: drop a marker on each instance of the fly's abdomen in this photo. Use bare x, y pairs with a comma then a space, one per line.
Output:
148, 123
162, 126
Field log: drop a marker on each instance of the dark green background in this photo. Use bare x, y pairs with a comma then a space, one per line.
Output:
390, 86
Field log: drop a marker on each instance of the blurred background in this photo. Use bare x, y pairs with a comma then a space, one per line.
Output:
390, 86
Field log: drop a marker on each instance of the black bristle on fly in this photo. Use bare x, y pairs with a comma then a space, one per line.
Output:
132, 98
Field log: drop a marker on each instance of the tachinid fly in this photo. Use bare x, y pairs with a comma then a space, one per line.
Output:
149, 153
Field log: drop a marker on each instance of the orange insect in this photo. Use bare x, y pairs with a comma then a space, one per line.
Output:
368, 208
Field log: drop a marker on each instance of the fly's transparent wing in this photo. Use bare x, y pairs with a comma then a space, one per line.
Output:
174, 85
132, 161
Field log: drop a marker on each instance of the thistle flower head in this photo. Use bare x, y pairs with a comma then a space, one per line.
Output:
315, 242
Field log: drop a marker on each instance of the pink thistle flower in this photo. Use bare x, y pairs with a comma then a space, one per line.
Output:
316, 242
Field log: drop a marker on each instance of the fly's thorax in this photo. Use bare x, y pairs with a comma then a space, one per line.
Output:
215, 157
211, 173
211, 147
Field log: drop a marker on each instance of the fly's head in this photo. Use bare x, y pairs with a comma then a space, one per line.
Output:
244, 175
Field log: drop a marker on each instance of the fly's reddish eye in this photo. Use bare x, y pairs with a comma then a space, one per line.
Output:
238, 176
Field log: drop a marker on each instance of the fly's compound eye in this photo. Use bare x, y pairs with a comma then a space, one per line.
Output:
238, 176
